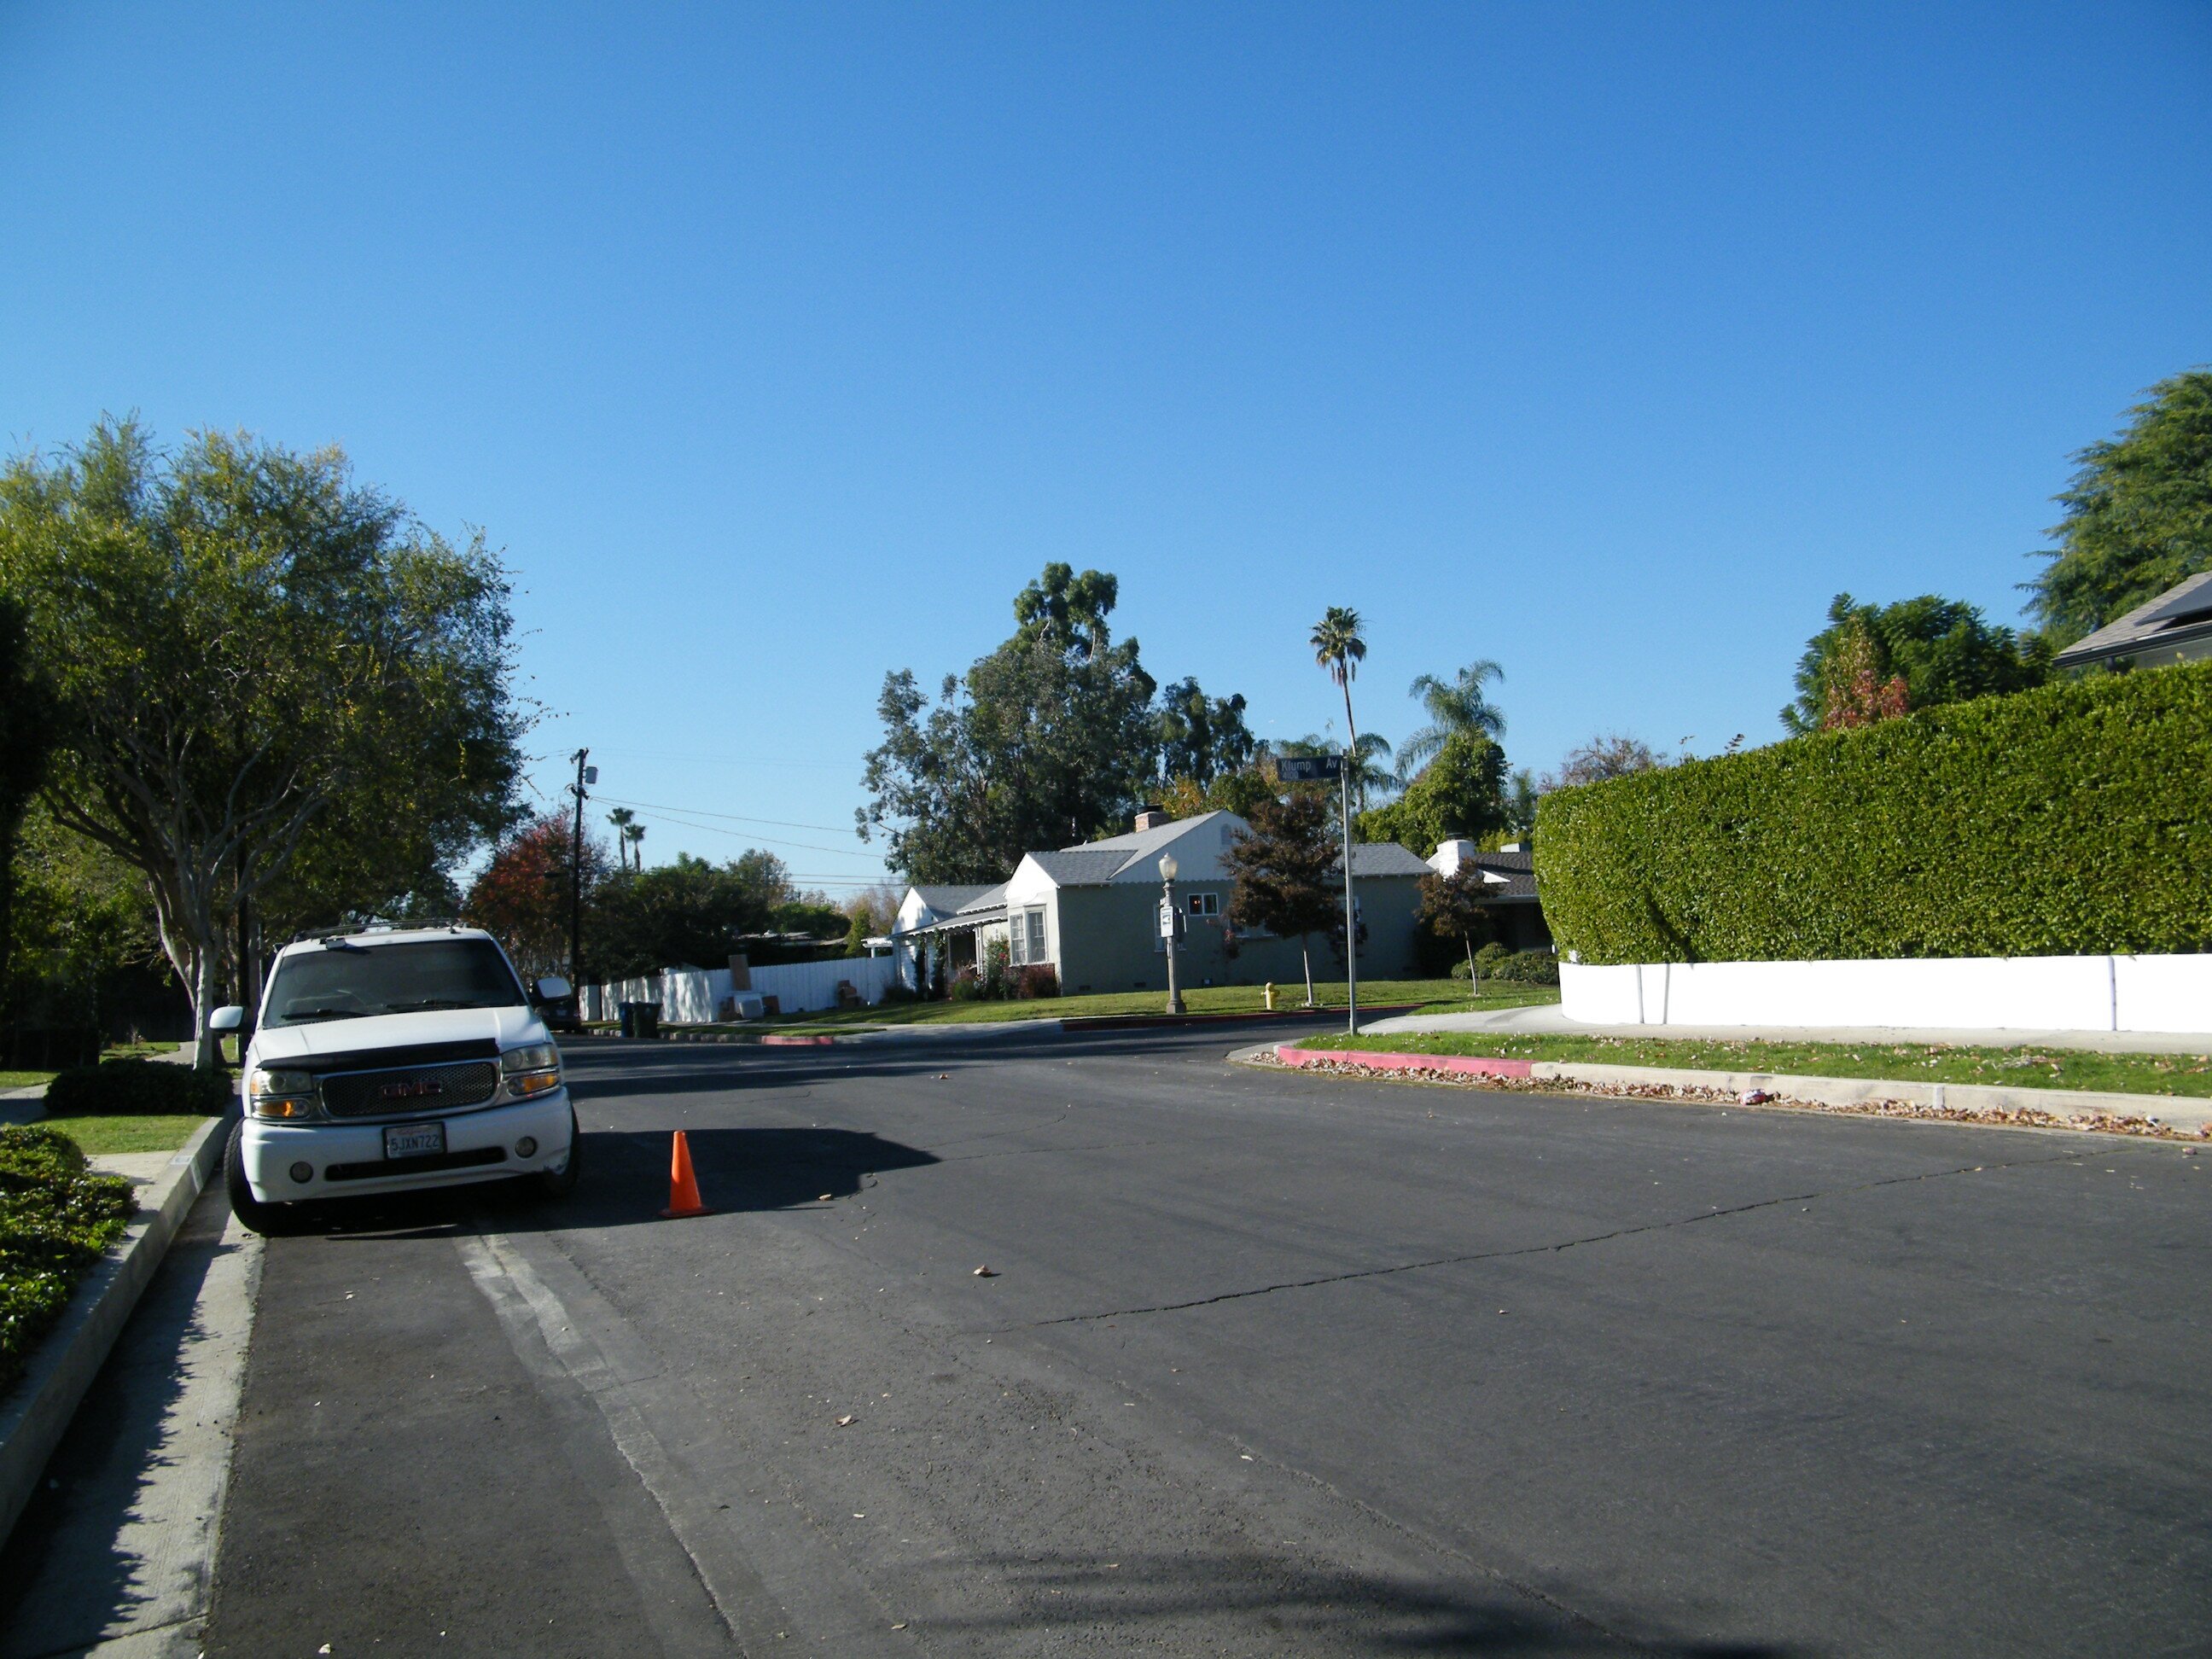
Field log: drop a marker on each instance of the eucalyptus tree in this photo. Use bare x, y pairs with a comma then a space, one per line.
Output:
2138, 513
1457, 705
1050, 739
246, 648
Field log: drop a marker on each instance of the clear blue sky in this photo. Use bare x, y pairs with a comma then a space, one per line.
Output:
780, 346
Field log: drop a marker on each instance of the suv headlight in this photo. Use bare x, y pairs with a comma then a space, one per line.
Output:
280, 1095
533, 1069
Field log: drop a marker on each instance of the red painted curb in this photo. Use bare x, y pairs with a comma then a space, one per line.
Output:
1477, 1065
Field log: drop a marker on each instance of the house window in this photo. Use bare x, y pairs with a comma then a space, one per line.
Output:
1025, 941
1206, 904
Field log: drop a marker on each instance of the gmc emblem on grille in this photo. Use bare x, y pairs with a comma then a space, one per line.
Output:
418, 1088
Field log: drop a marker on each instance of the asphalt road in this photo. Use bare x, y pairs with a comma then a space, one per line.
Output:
1267, 1363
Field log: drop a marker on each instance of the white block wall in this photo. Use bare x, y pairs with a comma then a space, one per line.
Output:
693, 996
2043, 994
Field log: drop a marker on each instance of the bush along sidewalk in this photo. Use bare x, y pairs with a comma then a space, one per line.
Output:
57, 1220
138, 1088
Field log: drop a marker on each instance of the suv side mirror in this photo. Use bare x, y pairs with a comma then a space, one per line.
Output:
229, 1019
551, 988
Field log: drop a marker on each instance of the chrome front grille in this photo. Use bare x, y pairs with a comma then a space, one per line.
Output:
410, 1090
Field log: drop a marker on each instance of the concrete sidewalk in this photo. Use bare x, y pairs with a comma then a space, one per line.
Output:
1550, 1020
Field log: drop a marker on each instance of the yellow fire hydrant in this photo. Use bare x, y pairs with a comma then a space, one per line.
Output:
1271, 996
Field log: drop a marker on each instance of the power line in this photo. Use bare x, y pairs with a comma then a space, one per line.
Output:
666, 817
735, 818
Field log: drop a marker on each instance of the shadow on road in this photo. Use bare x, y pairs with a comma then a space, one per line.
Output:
625, 1182
1330, 1609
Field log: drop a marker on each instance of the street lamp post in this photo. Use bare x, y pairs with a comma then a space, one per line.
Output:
1168, 921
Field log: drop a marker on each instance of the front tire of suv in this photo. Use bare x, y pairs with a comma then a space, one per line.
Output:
550, 1183
270, 1220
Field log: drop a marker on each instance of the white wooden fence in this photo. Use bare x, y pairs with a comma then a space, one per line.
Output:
695, 996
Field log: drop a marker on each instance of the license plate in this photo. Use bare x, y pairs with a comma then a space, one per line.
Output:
415, 1140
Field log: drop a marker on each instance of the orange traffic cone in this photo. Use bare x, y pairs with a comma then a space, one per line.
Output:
683, 1186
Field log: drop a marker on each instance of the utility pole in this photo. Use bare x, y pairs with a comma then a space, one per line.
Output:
1350, 911
585, 775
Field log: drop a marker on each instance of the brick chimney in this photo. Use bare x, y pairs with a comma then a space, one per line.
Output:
1151, 818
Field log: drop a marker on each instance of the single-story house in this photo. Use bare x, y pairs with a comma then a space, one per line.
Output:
1509, 880
2175, 627
927, 925
1091, 912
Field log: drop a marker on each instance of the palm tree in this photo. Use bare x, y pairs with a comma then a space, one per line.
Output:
1338, 647
620, 817
1453, 706
635, 834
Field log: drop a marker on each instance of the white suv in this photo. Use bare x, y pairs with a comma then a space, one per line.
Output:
388, 1061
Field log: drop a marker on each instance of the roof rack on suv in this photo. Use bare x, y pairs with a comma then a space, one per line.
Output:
430, 925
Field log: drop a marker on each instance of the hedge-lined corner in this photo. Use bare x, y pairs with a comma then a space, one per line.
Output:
57, 1220
138, 1088
2071, 820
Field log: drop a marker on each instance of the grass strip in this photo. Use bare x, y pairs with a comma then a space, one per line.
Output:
1448, 995
163, 1132
2187, 1075
57, 1220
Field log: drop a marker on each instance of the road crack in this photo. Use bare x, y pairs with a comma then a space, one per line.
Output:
1555, 1248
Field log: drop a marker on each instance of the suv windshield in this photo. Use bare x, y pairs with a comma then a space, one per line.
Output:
350, 981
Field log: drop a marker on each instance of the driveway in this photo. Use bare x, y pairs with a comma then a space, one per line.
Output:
1264, 1364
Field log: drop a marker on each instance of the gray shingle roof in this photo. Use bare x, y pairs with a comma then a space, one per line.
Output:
1081, 867
945, 900
1384, 857
2173, 615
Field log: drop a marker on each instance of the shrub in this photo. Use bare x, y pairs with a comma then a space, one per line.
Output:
1038, 980
965, 986
137, 1088
2069, 820
1490, 955
1464, 969
1526, 968
56, 1221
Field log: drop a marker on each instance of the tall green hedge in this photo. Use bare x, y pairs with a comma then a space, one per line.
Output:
2076, 819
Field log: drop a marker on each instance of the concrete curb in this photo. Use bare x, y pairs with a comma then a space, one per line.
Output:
2083, 1109
38, 1411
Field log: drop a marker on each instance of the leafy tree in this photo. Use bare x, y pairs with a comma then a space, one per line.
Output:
856, 934
79, 913
1048, 741
1287, 877
1609, 755
522, 897
2138, 515
1454, 907
813, 916
26, 715
1455, 705
1202, 738
1943, 650
684, 913
1462, 794
1522, 794
242, 644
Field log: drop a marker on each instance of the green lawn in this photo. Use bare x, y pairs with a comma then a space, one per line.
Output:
1443, 994
2032, 1068
96, 1135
